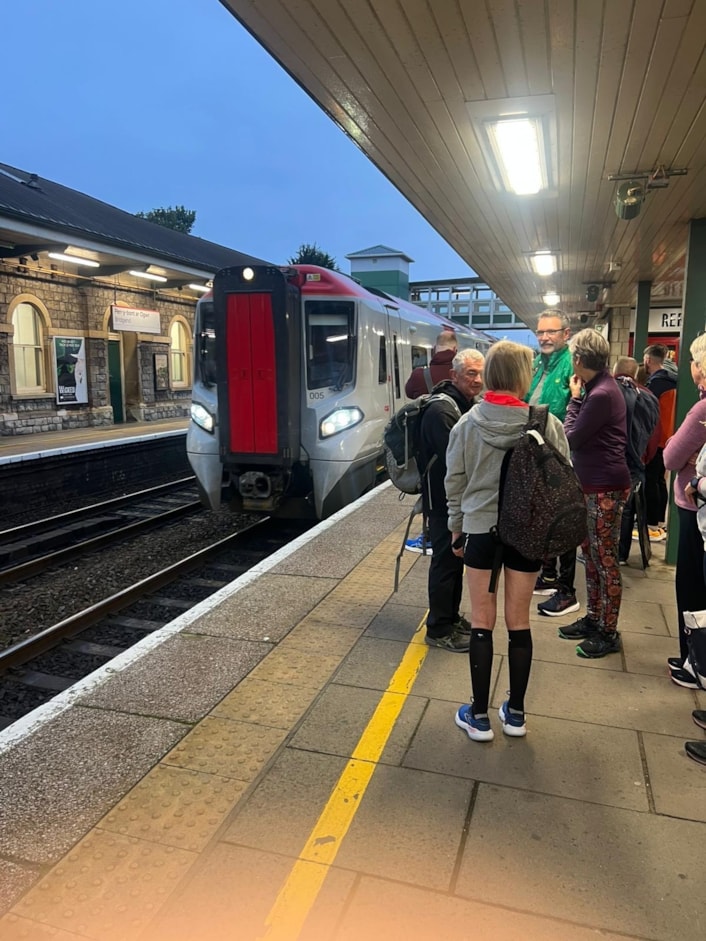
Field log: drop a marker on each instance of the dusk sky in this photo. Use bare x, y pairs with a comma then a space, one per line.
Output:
149, 103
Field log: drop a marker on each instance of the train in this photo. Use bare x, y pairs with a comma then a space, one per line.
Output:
297, 370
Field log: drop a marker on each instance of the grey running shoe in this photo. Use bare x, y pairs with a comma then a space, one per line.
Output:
456, 642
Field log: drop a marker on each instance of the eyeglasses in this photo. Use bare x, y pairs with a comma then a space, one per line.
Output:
548, 333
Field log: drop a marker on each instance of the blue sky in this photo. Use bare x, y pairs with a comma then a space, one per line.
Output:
165, 102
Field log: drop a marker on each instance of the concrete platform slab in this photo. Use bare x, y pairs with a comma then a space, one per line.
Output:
182, 679
605, 867
46, 806
276, 705
605, 765
678, 784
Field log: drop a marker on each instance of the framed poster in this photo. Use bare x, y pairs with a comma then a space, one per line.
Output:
70, 370
161, 371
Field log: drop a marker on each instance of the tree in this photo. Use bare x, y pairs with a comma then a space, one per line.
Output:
178, 218
313, 255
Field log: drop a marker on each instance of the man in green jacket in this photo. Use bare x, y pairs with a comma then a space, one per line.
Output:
553, 368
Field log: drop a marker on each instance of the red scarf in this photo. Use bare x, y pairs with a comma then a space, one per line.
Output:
502, 398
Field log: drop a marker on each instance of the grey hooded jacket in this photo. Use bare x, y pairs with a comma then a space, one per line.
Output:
477, 446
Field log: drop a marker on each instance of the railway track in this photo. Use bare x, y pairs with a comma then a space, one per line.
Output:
35, 547
35, 669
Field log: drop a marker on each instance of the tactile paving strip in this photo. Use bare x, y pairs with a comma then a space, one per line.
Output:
175, 806
228, 748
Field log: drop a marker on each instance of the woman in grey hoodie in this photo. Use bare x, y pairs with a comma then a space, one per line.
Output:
477, 446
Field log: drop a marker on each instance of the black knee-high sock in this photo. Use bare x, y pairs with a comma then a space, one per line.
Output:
481, 657
519, 656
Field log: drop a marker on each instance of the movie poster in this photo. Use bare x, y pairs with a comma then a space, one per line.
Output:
70, 366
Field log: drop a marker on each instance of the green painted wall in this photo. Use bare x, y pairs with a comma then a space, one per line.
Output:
392, 282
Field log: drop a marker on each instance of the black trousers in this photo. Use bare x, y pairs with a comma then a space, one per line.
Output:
628, 522
445, 579
689, 580
656, 495
566, 571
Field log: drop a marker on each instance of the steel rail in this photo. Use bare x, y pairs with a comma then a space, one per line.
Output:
34, 566
32, 647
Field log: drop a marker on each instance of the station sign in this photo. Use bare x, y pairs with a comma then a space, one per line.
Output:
135, 319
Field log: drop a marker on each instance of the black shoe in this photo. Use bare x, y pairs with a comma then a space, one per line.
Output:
684, 678
461, 625
699, 717
697, 751
675, 663
455, 642
599, 644
560, 603
584, 627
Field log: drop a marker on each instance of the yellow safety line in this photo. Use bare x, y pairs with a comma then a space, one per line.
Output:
300, 891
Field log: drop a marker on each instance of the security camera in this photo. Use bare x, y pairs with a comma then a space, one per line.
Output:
584, 318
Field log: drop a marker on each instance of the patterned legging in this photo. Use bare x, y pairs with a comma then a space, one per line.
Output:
604, 586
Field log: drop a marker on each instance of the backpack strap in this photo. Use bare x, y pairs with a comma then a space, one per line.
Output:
538, 417
427, 378
416, 509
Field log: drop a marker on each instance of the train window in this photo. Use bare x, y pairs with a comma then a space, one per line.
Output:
206, 343
420, 356
382, 361
330, 343
396, 365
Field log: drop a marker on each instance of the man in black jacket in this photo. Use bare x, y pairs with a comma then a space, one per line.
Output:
446, 628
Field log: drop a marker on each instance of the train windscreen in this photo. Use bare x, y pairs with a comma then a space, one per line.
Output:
330, 343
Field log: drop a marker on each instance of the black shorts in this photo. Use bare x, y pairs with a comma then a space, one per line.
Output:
479, 553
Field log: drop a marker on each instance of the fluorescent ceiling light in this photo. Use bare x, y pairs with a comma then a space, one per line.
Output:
551, 299
147, 275
518, 146
199, 287
74, 259
543, 263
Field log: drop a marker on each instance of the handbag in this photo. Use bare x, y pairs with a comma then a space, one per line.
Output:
695, 629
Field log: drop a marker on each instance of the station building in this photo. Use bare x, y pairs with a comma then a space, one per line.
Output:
96, 309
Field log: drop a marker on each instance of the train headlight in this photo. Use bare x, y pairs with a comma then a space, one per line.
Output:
339, 420
202, 417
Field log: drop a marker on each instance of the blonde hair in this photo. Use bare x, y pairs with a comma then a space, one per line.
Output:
698, 350
508, 367
625, 366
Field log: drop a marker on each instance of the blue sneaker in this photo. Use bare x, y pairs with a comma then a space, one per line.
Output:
419, 544
477, 727
513, 722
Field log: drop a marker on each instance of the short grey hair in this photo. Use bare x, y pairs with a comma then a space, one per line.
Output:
558, 314
466, 357
591, 348
698, 350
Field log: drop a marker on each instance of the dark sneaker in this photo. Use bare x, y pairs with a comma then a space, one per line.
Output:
684, 678
561, 602
697, 751
699, 717
599, 644
461, 625
513, 722
675, 663
584, 627
455, 642
477, 727
545, 586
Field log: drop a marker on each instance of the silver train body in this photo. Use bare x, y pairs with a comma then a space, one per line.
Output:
296, 373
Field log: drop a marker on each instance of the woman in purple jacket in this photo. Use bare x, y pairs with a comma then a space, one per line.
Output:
595, 429
680, 454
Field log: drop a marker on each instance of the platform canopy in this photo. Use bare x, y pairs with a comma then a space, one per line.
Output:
441, 93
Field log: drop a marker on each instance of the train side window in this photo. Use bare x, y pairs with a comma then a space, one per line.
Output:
419, 356
330, 343
206, 343
382, 361
396, 365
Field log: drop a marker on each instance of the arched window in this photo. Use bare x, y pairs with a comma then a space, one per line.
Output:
28, 349
179, 354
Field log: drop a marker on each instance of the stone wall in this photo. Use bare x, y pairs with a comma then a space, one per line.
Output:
81, 307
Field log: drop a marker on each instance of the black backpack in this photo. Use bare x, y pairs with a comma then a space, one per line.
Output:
641, 417
541, 507
401, 442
